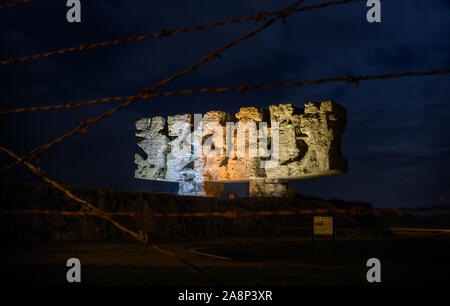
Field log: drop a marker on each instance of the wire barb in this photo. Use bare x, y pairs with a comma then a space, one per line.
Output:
244, 87
145, 94
83, 126
212, 55
353, 79
83, 47
259, 16
163, 33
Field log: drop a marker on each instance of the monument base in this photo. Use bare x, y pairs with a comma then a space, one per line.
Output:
204, 189
270, 188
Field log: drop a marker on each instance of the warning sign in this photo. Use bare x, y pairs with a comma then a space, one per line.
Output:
323, 225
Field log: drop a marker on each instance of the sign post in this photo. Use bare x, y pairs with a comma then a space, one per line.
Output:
323, 226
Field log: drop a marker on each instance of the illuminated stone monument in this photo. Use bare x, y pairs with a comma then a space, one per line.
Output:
268, 149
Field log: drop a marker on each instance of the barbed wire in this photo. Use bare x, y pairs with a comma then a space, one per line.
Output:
242, 88
233, 214
86, 205
15, 4
230, 214
89, 208
85, 126
166, 33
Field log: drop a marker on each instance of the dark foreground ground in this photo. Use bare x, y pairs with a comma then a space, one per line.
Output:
408, 259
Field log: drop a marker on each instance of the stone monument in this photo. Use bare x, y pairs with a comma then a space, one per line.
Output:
268, 149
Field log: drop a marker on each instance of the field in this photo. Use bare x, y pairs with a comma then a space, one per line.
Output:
418, 258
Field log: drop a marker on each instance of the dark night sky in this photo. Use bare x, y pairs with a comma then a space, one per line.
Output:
397, 135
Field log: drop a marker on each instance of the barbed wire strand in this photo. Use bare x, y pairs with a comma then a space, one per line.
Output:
243, 87
85, 126
91, 209
231, 214
166, 33
67, 192
15, 4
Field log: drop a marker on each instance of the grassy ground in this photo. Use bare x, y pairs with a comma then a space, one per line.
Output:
258, 261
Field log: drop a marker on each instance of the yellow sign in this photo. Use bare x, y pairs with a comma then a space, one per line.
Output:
323, 225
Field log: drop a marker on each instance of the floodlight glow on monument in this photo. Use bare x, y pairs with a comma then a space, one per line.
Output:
266, 148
